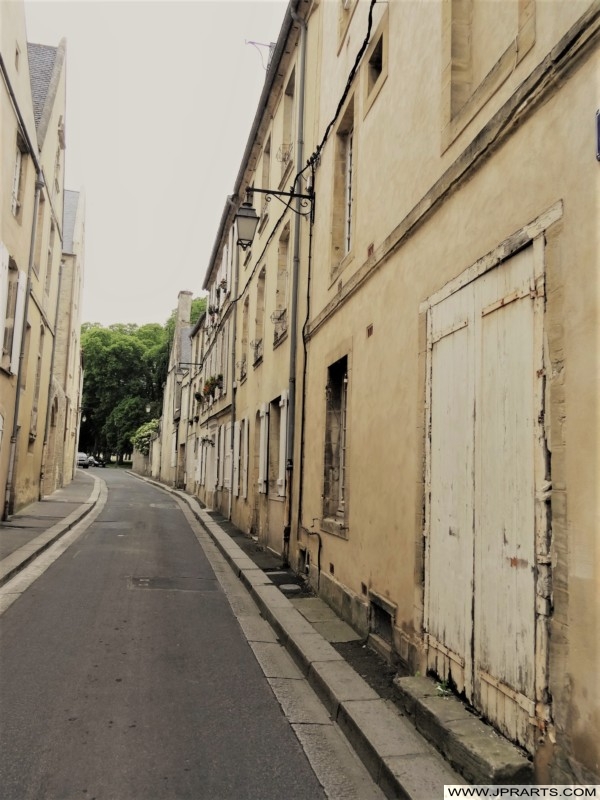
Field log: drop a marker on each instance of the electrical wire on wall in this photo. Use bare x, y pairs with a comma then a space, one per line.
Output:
313, 159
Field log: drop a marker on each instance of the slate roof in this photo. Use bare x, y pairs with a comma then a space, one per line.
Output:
42, 58
71, 201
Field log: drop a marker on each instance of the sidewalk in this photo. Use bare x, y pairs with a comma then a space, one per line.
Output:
33, 529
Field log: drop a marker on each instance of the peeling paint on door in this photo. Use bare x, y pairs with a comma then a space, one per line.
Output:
487, 481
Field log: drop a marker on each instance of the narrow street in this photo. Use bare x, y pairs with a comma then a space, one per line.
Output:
125, 675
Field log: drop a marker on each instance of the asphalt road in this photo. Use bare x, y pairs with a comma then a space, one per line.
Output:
124, 674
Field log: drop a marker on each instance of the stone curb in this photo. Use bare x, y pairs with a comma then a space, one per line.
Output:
19, 559
398, 759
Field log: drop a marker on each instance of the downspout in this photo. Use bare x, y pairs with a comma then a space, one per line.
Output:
52, 360
235, 275
290, 433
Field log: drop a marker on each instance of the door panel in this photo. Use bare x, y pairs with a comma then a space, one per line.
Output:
480, 556
450, 563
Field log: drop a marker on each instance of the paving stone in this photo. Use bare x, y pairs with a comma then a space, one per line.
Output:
309, 648
298, 701
314, 609
274, 660
335, 682
257, 629
336, 631
418, 777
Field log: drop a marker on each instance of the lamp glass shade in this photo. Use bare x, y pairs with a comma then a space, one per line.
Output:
247, 222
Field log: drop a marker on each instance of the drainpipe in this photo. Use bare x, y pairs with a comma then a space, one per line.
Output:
234, 289
48, 404
290, 433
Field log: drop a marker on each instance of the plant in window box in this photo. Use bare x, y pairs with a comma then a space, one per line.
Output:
212, 383
198, 397
213, 310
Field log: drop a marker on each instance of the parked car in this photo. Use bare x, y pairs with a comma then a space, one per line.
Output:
96, 462
82, 460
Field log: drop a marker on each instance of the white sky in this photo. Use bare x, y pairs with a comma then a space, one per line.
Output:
160, 101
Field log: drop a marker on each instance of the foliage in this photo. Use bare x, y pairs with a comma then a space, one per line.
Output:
211, 384
141, 438
125, 368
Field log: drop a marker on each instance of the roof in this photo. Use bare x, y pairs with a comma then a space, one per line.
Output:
45, 66
42, 58
71, 201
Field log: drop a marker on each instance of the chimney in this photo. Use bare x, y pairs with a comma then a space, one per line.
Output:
184, 308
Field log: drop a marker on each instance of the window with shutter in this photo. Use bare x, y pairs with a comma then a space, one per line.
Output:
335, 478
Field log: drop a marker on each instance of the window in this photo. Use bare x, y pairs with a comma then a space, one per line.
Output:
260, 446
287, 139
18, 183
279, 317
50, 257
266, 177
257, 343
335, 478
376, 62
482, 45
375, 65
343, 188
12, 300
38, 383
348, 167
243, 364
274, 442
346, 10
39, 234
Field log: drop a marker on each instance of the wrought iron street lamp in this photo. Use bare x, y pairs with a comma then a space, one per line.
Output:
247, 219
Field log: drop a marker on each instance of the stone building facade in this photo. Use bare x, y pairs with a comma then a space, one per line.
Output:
399, 393
31, 233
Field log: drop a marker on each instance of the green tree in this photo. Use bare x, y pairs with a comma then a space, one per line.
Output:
141, 438
125, 368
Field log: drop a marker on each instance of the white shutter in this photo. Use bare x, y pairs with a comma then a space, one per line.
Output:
16, 183
283, 405
212, 460
263, 445
198, 465
227, 460
236, 459
221, 455
203, 465
3, 290
174, 450
245, 449
18, 323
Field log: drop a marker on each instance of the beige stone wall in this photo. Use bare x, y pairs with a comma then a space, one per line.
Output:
452, 174
430, 210
15, 231
42, 309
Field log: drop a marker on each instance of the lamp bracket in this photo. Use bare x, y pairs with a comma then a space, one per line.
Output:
307, 199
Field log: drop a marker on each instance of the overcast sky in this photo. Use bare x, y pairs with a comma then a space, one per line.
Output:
160, 101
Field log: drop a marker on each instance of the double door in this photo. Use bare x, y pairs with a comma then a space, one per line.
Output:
485, 468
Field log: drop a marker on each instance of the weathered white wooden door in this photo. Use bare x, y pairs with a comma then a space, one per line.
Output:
486, 358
